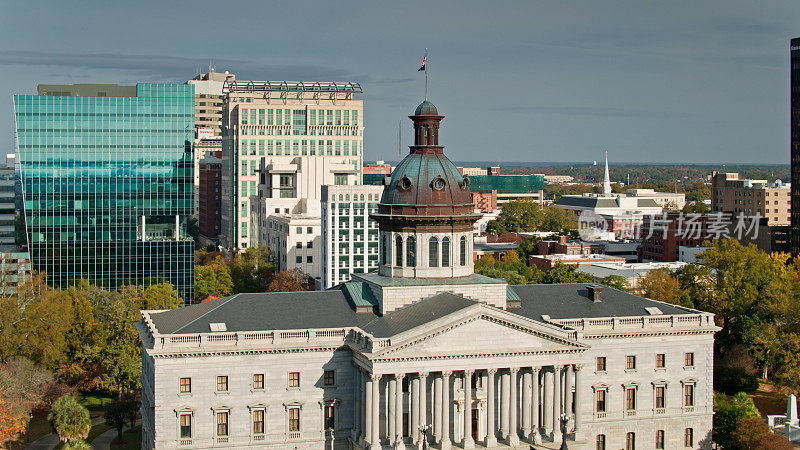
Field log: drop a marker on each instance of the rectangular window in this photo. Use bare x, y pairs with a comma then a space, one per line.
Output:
329, 148
260, 148
299, 245
312, 119
329, 115
328, 378
340, 179
309, 259
313, 148
294, 419
278, 119
222, 424
600, 400
329, 417
294, 379
600, 442
309, 230
338, 148
688, 437
244, 117
346, 117
258, 421
269, 117
355, 117
660, 439
186, 385
261, 117
660, 397
630, 362
688, 359
601, 364
688, 395
186, 426
630, 441
222, 384
630, 399
661, 360
298, 259
258, 381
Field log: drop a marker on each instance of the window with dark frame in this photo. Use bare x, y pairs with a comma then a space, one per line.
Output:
328, 378
329, 417
601, 364
600, 400
630, 441
258, 381
630, 399
186, 426
659, 439
600, 442
630, 362
222, 423
258, 421
186, 386
222, 384
688, 395
294, 379
294, 419
661, 397
688, 437
661, 360
688, 359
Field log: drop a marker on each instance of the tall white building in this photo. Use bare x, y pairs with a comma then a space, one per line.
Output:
425, 351
349, 235
281, 142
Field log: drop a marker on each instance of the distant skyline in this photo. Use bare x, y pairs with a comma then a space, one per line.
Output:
651, 82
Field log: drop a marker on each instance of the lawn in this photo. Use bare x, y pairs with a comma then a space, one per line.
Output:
131, 440
95, 401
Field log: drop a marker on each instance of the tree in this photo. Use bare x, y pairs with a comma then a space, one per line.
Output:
23, 387
562, 273
727, 414
116, 414
251, 270
193, 228
696, 208
752, 432
517, 215
616, 282
13, 420
555, 218
213, 279
159, 296
660, 285
118, 358
69, 419
287, 281
77, 444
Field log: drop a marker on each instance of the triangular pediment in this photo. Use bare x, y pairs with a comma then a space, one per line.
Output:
481, 330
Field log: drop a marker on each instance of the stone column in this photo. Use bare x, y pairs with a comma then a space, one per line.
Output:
535, 437
437, 409
526, 404
557, 404
491, 432
578, 400
368, 410
568, 390
504, 401
468, 441
547, 407
398, 415
357, 403
391, 403
376, 408
446, 408
423, 402
414, 405
513, 430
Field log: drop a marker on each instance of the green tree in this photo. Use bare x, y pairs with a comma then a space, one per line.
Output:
616, 282
77, 444
517, 215
213, 279
727, 414
116, 414
562, 273
555, 218
69, 419
193, 228
251, 270
118, 357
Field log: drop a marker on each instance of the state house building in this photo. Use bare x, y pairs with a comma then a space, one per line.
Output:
427, 351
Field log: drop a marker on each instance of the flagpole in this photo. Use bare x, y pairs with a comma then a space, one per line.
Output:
426, 73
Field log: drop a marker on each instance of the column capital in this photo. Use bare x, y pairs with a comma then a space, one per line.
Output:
514, 370
400, 375
535, 369
423, 374
469, 371
558, 366
375, 376
447, 373
577, 367
491, 371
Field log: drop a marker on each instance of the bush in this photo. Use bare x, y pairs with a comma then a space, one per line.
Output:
735, 379
753, 433
69, 419
77, 444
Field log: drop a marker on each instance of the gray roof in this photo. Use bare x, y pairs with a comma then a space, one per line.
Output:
334, 309
381, 280
587, 202
571, 301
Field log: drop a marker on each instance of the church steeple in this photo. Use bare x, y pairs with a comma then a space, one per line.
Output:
606, 179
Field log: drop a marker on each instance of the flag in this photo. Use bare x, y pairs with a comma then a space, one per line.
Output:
422, 67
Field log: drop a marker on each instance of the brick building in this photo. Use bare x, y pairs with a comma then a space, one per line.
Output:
210, 190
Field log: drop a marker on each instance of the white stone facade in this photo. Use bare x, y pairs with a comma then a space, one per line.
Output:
294, 242
434, 358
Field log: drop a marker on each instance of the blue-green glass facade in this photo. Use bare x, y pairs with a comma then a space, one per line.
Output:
107, 186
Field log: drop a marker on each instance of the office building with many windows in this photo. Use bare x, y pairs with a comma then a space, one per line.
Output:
107, 183
349, 234
281, 142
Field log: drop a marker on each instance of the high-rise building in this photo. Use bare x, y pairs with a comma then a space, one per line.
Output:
349, 235
208, 101
290, 138
729, 193
210, 196
107, 183
795, 145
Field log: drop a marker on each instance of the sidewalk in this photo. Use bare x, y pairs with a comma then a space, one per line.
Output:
49, 441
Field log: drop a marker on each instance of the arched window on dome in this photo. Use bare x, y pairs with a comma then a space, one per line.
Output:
398, 251
445, 252
384, 250
411, 252
433, 252
463, 251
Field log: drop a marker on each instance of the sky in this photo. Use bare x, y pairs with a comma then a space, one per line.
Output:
526, 81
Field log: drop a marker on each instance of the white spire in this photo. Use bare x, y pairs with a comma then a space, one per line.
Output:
606, 179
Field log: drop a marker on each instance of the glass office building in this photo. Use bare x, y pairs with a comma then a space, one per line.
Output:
107, 183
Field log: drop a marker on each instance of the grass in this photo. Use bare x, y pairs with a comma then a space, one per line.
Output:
769, 400
95, 401
97, 430
131, 440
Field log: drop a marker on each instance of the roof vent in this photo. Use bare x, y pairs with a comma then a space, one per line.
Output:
653, 311
595, 292
218, 327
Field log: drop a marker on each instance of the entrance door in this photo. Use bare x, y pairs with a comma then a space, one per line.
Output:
475, 424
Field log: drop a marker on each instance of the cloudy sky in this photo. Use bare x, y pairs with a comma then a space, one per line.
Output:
650, 81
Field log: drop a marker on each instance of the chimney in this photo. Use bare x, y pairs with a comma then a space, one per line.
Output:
595, 292
563, 239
